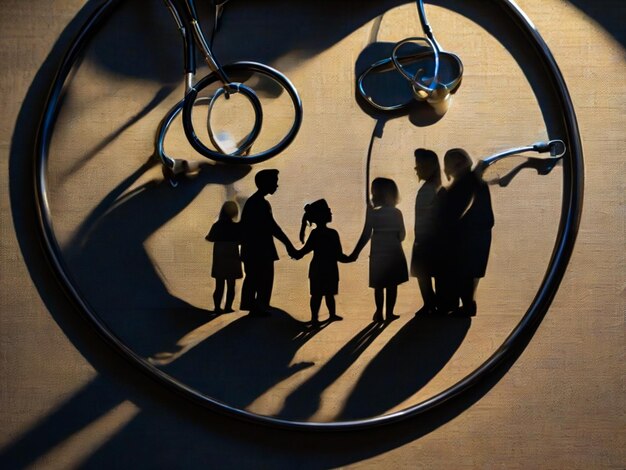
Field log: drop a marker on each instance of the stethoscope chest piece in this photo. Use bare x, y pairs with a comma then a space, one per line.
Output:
430, 74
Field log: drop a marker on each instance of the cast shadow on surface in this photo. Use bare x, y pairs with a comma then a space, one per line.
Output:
109, 263
226, 364
305, 400
415, 354
608, 13
244, 359
289, 27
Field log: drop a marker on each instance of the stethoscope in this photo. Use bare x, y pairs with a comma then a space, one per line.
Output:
437, 91
563, 246
186, 17
431, 88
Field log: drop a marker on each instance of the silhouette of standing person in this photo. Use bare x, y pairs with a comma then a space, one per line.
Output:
469, 219
384, 225
425, 257
258, 250
325, 244
226, 269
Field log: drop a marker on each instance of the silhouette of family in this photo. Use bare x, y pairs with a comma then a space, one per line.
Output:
450, 251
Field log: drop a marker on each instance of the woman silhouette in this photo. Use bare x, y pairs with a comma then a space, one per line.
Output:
468, 217
426, 247
384, 225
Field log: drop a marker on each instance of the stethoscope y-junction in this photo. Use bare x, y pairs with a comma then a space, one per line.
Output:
186, 17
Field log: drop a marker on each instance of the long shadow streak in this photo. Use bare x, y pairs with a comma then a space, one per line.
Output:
304, 401
405, 364
163, 93
112, 269
245, 359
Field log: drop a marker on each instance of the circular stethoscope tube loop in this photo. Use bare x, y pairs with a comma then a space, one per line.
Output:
234, 69
246, 143
437, 90
516, 341
415, 79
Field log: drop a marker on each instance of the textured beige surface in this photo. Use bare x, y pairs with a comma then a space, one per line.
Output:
560, 405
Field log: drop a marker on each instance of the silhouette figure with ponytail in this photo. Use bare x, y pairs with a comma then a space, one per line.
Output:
325, 244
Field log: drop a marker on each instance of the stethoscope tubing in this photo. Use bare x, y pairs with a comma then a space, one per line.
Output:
233, 69
568, 226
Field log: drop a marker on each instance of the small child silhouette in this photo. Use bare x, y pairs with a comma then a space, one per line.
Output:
225, 234
385, 227
326, 247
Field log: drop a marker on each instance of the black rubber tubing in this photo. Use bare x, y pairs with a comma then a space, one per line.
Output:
568, 226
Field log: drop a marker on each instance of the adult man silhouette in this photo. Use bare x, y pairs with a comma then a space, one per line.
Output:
258, 251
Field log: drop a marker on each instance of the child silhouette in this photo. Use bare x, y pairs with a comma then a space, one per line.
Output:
226, 236
384, 225
326, 247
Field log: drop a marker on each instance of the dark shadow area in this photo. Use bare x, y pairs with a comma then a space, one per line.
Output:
166, 424
610, 14
113, 271
304, 401
143, 112
151, 45
405, 364
288, 27
87, 405
245, 359
177, 432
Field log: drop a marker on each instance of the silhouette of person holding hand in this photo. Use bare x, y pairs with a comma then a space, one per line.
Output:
258, 250
468, 217
325, 244
428, 205
384, 225
226, 269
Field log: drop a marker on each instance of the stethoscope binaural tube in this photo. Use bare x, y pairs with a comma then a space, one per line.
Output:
201, 42
493, 367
